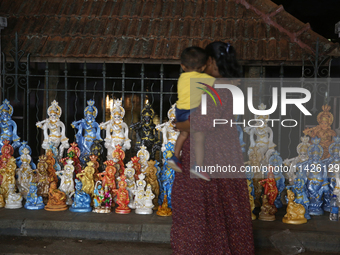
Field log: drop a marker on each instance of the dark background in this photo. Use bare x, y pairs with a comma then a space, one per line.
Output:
322, 15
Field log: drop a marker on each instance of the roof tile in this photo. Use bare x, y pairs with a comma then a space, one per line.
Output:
199, 9
122, 27
197, 28
178, 12
250, 28
144, 27
176, 28
210, 9
126, 8
106, 10
155, 23
8, 7
221, 5
272, 48
218, 29
148, 6
149, 48
186, 30
137, 49
95, 46
283, 49
173, 49
138, 8
129, 43
55, 46
240, 28
158, 9
261, 30
262, 49
231, 8
208, 28
229, 29
189, 9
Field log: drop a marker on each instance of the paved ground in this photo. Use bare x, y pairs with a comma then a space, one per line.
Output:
135, 233
37, 245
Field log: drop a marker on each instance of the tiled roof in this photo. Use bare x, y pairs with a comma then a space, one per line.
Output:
156, 29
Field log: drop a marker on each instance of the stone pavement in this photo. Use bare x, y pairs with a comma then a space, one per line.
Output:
319, 234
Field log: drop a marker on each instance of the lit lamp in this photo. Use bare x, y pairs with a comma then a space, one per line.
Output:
108, 107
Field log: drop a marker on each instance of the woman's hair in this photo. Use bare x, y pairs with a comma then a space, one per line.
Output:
225, 56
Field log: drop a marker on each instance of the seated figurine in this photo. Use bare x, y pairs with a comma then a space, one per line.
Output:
82, 200
102, 199
163, 209
122, 197
295, 212
33, 201
14, 200
86, 177
267, 210
56, 199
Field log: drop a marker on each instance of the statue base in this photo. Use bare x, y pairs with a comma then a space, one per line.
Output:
327, 208
102, 209
13, 206
34, 207
267, 217
132, 206
143, 211
296, 222
122, 211
2, 205
55, 208
317, 211
69, 201
253, 216
164, 213
81, 210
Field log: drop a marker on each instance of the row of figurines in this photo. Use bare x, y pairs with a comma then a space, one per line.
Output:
48, 171
116, 130
102, 200
313, 181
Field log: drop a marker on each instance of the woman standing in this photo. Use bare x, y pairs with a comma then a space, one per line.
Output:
213, 217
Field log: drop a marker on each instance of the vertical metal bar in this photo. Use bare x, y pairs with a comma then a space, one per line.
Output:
161, 94
302, 83
316, 74
3, 76
27, 119
66, 87
85, 84
46, 85
142, 87
280, 117
261, 85
104, 92
123, 83
16, 66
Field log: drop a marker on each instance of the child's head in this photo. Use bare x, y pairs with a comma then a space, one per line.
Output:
194, 59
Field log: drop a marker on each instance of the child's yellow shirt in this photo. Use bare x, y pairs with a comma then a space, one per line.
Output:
189, 96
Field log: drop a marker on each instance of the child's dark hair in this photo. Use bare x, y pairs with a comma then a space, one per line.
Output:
194, 57
225, 56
